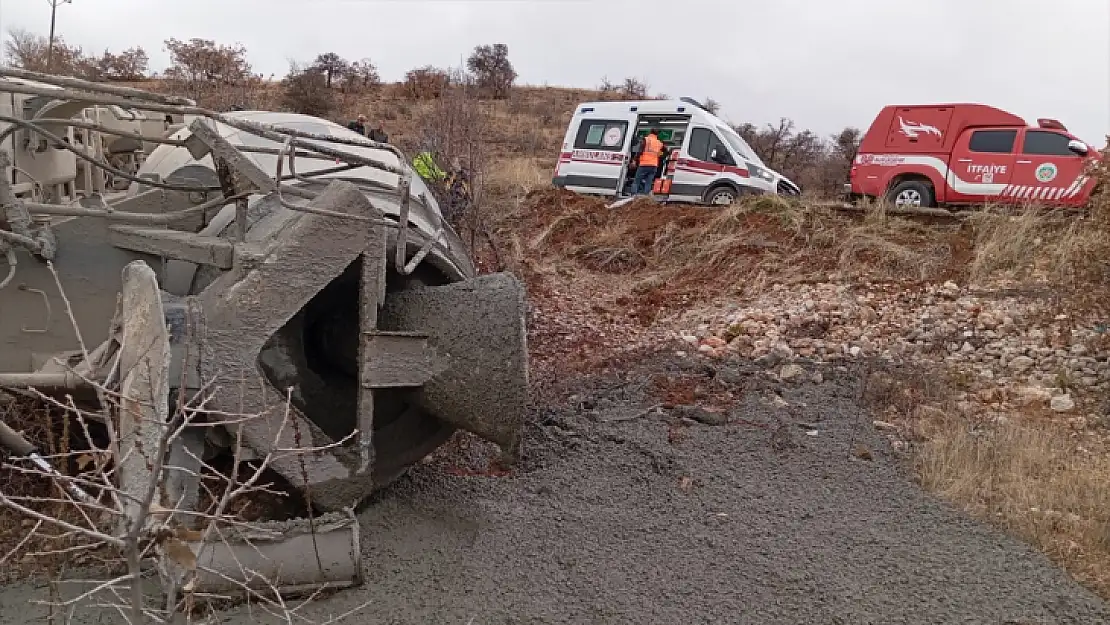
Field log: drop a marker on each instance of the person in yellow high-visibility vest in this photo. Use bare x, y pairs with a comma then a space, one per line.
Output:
425, 166
648, 165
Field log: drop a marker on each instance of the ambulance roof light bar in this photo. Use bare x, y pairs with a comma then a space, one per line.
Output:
695, 103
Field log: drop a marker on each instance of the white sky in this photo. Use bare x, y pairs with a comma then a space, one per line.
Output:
824, 63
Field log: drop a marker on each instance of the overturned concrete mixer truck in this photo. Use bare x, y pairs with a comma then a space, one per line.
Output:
288, 258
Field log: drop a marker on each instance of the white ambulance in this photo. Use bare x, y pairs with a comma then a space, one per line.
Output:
705, 161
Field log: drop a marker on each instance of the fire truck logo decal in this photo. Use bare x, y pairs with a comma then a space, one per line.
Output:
912, 129
1046, 172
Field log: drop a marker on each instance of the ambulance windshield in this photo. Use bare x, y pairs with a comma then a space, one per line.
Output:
742, 148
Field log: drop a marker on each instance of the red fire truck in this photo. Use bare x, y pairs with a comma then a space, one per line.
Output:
956, 154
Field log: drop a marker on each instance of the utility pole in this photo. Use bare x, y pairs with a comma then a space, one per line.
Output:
53, 14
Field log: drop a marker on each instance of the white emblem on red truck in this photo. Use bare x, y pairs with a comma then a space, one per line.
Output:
912, 129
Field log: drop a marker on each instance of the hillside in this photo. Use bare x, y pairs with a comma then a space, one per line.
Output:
764, 374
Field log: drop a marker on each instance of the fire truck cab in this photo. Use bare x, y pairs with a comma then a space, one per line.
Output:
959, 154
705, 161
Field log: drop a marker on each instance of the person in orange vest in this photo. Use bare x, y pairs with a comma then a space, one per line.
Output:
648, 164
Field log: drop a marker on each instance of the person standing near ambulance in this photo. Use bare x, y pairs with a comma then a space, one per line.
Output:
648, 164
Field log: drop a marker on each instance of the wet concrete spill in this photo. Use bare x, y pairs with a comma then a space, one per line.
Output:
615, 518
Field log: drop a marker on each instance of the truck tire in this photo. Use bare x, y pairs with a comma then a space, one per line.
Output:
912, 194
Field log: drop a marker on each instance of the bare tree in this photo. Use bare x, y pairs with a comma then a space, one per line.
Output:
362, 75
129, 65
31, 51
634, 88
216, 74
845, 144
492, 69
333, 66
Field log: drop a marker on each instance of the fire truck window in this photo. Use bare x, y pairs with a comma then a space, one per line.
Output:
993, 141
1046, 143
607, 135
699, 143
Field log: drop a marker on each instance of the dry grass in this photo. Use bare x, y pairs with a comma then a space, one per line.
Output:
1033, 478
1037, 478
1033, 244
516, 177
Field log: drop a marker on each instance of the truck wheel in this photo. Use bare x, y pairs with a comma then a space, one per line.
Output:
911, 194
720, 196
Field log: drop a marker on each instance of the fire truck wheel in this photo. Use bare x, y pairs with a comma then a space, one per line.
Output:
911, 194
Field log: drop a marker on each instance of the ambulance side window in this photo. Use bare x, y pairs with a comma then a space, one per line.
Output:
993, 141
601, 134
702, 144
699, 144
1046, 143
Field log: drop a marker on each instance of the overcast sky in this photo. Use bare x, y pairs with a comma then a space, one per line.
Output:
824, 63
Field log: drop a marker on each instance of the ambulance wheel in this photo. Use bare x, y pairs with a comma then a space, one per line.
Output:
911, 194
720, 196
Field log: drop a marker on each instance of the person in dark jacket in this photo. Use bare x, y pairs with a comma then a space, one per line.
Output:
378, 133
359, 125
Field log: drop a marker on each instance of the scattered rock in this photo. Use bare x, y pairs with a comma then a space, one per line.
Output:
1021, 364
1032, 395
790, 372
1062, 403
700, 414
1004, 347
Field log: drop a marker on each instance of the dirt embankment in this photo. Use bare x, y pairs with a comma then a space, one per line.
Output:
675, 255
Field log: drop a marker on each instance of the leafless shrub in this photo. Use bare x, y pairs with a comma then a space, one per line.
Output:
634, 88
201, 67
306, 91
712, 105
455, 133
129, 529
426, 83
608, 89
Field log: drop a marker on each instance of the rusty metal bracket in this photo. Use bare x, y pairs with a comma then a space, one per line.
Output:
49, 311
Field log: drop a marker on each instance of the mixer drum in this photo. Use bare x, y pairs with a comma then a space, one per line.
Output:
444, 350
